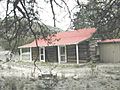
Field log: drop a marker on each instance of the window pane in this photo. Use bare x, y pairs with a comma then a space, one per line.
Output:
41, 50
26, 50
62, 58
62, 50
42, 58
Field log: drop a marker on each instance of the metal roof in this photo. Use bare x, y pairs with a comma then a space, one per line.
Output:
63, 38
109, 41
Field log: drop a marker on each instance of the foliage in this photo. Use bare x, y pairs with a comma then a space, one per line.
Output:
22, 23
17, 26
10, 40
81, 18
102, 14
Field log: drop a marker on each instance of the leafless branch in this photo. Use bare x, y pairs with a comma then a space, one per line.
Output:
52, 8
58, 4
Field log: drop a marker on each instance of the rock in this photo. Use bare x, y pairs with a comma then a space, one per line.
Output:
1, 67
115, 77
76, 77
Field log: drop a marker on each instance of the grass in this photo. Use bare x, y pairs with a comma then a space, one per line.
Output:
46, 64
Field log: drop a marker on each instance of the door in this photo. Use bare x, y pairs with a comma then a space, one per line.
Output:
63, 53
42, 54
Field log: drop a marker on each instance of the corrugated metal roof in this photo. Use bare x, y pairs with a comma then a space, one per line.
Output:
109, 41
63, 38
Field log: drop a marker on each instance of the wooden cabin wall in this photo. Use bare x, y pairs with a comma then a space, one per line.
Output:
51, 54
71, 53
93, 48
35, 53
83, 49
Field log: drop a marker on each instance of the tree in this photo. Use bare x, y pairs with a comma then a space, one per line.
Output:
8, 39
20, 18
81, 18
104, 15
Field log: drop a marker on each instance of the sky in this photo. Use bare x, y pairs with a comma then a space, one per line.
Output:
45, 13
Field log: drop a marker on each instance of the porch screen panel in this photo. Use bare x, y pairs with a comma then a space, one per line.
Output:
51, 54
26, 53
62, 53
35, 53
71, 53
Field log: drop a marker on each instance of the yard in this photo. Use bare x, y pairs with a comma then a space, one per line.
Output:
85, 76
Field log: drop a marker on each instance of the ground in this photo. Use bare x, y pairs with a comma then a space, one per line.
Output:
21, 75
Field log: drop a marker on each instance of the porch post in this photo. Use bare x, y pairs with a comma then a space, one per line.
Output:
77, 54
30, 54
20, 53
59, 60
44, 53
65, 54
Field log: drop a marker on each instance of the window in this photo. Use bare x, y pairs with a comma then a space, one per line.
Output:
42, 54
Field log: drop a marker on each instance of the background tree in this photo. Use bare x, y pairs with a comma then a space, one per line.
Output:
104, 15
81, 18
20, 20
8, 39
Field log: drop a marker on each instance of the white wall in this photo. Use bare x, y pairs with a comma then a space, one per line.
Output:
110, 52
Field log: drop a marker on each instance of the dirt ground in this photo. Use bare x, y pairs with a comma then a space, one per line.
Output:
85, 76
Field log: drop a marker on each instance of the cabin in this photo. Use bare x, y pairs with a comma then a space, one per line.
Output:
109, 50
63, 47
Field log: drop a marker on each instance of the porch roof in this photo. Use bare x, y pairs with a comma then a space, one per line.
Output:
63, 38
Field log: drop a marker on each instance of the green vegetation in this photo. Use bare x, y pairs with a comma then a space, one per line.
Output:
102, 14
12, 39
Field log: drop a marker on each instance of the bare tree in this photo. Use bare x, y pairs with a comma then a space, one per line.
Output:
20, 17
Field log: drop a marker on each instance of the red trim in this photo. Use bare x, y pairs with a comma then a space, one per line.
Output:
109, 40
